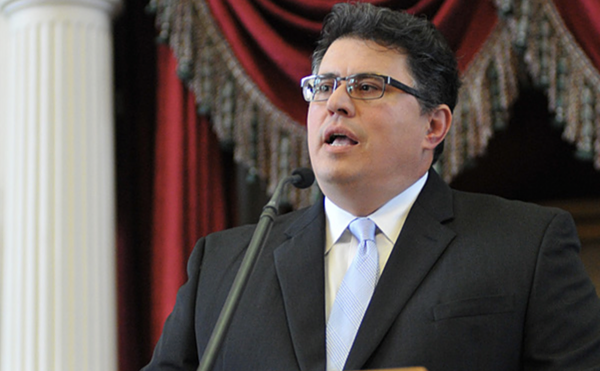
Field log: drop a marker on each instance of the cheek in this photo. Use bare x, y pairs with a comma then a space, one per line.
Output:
314, 112
399, 137
313, 122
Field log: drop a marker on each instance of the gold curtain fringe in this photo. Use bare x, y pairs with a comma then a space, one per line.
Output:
264, 138
489, 88
558, 65
529, 33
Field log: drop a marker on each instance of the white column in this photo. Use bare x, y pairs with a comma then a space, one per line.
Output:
3, 118
58, 278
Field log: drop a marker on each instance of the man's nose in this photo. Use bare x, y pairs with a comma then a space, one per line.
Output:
340, 101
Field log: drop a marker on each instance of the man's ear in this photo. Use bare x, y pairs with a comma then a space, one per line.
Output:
440, 120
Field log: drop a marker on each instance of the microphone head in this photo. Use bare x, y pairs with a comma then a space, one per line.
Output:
303, 177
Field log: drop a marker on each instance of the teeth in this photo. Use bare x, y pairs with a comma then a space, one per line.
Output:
333, 137
339, 140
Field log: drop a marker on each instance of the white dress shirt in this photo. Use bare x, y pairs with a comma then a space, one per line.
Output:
341, 245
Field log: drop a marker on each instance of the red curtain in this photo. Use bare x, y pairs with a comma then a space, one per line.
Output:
189, 197
582, 18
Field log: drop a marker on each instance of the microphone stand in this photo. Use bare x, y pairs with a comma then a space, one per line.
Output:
263, 228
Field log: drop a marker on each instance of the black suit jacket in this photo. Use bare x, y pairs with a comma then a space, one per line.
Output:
474, 282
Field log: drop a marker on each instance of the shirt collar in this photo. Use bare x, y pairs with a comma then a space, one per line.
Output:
389, 218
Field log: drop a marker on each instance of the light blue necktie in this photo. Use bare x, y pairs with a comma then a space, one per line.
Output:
353, 296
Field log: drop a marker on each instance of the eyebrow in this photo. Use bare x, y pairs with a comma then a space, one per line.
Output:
331, 74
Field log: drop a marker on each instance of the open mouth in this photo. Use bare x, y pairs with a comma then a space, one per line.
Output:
336, 139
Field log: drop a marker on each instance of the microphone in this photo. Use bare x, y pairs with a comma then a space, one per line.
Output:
303, 178
300, 178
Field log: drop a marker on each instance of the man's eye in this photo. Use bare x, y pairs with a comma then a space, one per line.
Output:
368, 86
324, 86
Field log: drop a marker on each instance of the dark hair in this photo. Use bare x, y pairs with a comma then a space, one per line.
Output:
431, 61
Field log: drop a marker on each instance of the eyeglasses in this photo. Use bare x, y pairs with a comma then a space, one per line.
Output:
365, 86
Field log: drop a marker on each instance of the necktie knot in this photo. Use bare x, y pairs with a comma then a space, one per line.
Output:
363, 229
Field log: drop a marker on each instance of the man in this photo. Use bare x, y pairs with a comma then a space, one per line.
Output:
461, 281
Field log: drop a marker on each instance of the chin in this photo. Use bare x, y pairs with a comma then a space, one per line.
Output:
333, 176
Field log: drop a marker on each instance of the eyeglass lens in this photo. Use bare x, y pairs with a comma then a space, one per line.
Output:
366, 86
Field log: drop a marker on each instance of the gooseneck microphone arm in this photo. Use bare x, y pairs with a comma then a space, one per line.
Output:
300, 178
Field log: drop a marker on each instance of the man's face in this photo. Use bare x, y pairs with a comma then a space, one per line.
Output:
379, 143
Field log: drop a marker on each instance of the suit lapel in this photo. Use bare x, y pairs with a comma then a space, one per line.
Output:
422, 240
299, 263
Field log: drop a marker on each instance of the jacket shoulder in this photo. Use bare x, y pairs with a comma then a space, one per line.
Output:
483, 204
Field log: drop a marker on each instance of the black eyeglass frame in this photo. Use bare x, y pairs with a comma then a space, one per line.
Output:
387, 80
